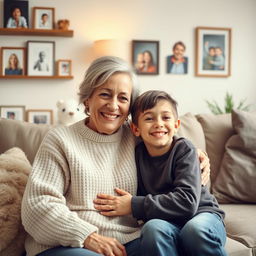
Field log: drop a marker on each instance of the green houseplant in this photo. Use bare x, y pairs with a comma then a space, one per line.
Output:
229, 105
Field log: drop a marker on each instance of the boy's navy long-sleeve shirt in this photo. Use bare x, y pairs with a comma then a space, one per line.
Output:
169, 186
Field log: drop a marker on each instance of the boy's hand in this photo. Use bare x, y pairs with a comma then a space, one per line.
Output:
109, 205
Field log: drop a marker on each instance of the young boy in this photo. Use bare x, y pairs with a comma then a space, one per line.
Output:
170, 197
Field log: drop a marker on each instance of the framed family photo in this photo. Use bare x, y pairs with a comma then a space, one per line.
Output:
13, 112
13, 61
213, 52
40, 116
64, 67
43, 18
16, 14
40, 58
145, 57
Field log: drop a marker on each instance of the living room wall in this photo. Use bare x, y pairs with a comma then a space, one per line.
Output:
167, 21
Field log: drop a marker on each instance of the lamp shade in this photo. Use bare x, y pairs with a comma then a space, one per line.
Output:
111, 47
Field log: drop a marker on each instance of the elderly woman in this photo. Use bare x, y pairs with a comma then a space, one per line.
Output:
77, 162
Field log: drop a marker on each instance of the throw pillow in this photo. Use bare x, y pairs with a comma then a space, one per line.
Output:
14, 171
217, 130
237, 177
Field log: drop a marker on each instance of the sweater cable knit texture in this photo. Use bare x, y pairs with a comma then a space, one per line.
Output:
72, 166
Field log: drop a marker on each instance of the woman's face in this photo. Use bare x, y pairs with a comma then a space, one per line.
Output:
13, 60
109, 104
178, 51
147, 57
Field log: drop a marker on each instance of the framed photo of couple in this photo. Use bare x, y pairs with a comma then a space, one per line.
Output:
213, 52
145, 57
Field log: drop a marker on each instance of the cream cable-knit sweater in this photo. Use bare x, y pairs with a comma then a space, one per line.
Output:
72, 165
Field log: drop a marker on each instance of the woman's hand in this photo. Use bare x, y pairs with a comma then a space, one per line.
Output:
104, 245
109, 205
204, 166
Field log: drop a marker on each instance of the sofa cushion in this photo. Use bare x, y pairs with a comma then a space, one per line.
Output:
235, 248
240, 222
14, 171
237, 177
191, 129
217, 130
27, 136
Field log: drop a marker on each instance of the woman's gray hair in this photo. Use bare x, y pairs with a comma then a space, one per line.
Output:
100, 71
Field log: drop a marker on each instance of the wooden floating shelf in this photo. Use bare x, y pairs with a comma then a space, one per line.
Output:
35, 32
35, 77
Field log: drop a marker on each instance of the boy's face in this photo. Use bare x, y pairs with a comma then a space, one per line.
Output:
218, 51
178, 52
157, 126
212, 52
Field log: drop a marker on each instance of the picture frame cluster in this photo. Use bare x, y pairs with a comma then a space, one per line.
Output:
19, 112
38, 57
212, 55
16, 15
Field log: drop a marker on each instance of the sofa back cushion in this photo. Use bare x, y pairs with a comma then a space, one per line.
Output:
237, 177
191, 129
217, 130
24, 135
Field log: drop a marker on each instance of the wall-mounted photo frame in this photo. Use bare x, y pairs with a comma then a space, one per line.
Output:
13, 61
64, 67
145, 57
43, 18
40, 58
213, 52
16, 14
40, 116
13, 112
177, 63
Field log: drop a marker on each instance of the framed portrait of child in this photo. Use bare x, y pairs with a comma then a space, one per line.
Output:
43, 18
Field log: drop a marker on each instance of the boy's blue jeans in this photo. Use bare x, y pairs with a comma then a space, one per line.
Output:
204, 234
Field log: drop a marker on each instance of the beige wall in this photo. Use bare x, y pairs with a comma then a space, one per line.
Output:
165, 20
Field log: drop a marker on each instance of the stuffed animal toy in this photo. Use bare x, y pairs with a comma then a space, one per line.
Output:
69, 112
14, 171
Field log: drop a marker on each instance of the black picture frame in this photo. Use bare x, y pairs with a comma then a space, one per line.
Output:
10, 5
142, 49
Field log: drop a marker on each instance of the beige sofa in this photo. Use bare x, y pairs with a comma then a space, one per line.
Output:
208, 132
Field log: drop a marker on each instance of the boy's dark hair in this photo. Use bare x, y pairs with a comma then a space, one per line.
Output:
148, 100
